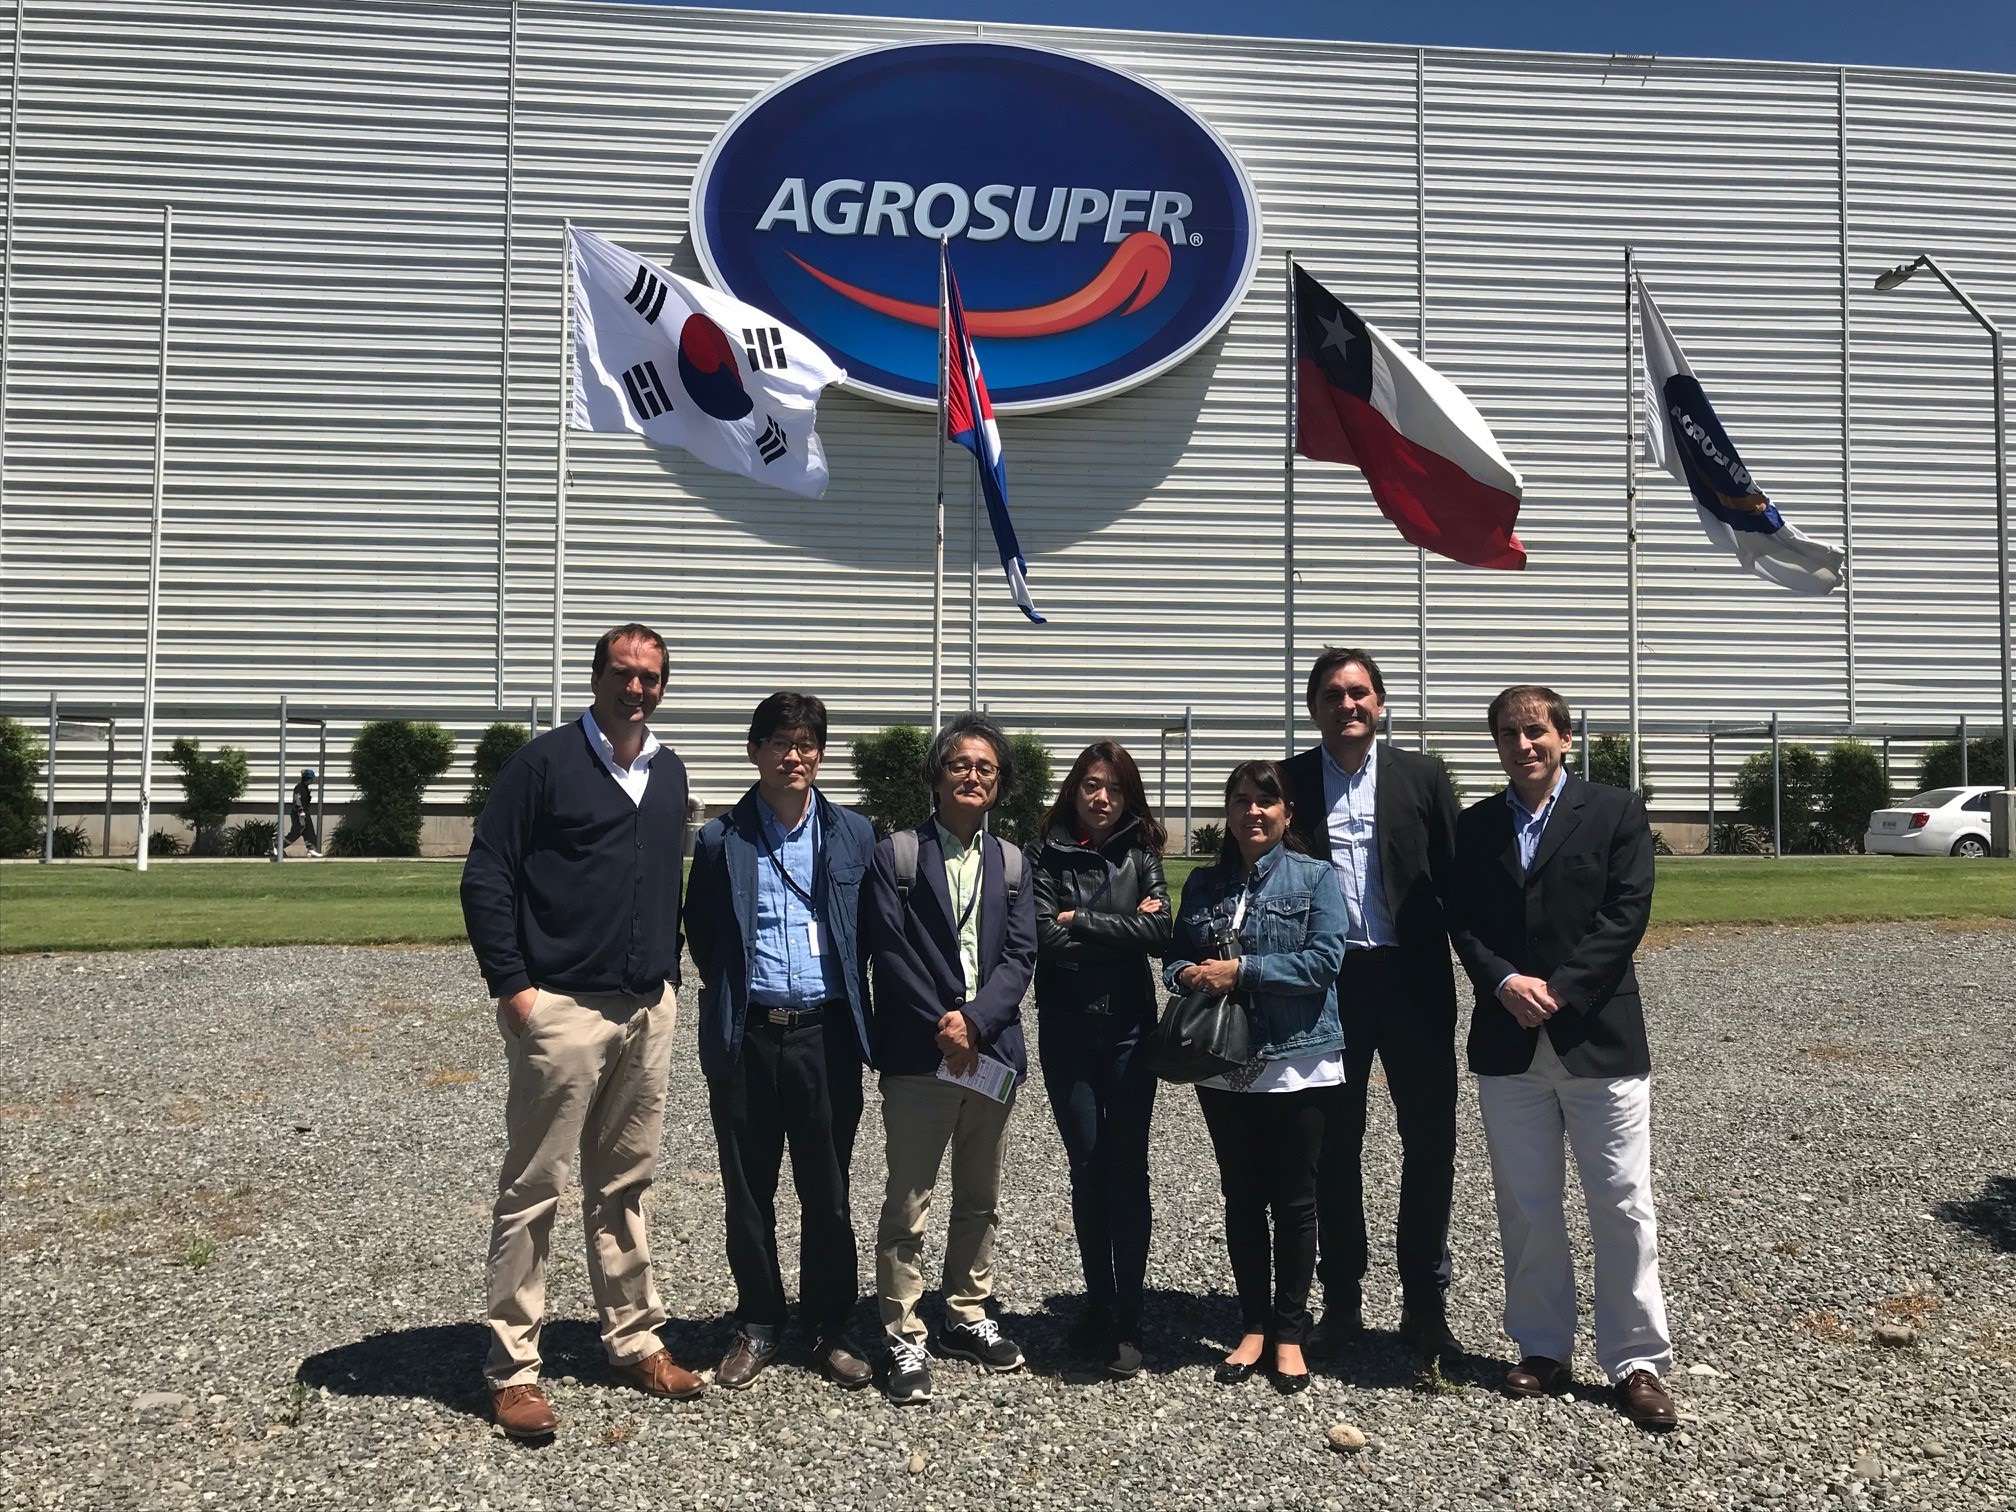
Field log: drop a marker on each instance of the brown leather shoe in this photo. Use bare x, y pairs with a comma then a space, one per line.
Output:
1646, 1402
523, 1411
1536, 1376
743, 1363
841, 1365
658, 1375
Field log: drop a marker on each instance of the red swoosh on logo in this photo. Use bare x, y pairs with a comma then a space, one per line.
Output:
1133, 276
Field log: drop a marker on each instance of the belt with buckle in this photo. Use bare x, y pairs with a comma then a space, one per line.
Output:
795, 1018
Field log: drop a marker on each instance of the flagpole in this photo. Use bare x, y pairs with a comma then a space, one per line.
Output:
154, 548
560, 460
1631, 507
1288, 505
1421, 347
938, 558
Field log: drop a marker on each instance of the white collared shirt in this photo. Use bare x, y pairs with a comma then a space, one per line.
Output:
633, 778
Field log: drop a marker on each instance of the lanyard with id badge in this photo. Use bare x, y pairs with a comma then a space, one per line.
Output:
809, 898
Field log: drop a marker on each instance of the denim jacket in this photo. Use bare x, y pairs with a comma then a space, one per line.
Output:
1292, 941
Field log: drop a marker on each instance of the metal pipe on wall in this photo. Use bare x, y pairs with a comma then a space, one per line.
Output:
560, 455
280, 791
1847, 412
504, 349
151, 656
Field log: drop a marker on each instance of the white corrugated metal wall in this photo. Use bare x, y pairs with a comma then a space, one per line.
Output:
339, 176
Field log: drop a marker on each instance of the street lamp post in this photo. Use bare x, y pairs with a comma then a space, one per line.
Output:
1891, 280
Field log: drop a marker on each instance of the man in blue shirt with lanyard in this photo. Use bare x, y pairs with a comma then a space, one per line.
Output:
770, 918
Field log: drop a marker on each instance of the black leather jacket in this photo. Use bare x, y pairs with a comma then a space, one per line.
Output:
1104, 960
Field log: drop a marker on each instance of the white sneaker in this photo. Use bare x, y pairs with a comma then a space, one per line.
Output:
315, 853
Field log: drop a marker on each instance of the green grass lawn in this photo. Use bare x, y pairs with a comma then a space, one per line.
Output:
414, 902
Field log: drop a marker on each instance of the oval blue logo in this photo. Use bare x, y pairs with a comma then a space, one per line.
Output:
1100, 230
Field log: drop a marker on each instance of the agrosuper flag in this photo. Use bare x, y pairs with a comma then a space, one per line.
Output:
1432, 464
681, 365
1684, 436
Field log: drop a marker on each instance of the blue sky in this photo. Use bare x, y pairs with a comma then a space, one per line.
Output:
1971, 34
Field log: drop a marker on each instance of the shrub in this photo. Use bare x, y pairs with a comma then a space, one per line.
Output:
1854, 788
1610, 762
885, 770
1738, 839
1206, 839
1435, 755
164, 843
1017, 817
391, 763
1941, 766
67, 842
1801, 772
252, 838
497, 745
20, 775
211, 785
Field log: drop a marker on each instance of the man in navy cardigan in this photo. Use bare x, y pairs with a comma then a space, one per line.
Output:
571, 898
771, 914
953, 946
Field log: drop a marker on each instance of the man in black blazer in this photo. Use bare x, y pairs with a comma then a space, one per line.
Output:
948, 923
1385, 819
1553, 893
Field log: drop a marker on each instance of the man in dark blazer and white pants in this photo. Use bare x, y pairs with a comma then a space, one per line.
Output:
1385, 819
1553, 894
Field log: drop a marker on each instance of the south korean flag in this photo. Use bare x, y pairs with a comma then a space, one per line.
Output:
681, 365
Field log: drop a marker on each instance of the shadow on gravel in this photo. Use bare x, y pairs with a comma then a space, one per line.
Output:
1991, 1214
444, 1362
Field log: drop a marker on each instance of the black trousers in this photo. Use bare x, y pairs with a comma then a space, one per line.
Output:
1095, 1070
1267, 1144
301, 826
799, 1088
1418, 1053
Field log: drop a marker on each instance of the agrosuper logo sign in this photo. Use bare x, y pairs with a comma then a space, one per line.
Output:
1101, 230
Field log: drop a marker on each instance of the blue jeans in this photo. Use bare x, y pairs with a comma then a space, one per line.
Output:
1095, 1070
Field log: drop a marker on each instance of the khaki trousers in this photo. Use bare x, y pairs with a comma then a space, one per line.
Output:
587, 1074
921, 1117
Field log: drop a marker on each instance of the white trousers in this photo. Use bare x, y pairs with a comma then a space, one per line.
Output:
1608, 1124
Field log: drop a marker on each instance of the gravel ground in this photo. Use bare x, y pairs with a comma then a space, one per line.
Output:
243, 1208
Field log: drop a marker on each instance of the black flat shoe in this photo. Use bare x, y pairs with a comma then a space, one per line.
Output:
1228, 1374
1290, 1385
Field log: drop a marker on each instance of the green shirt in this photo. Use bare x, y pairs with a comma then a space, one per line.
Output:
962, 880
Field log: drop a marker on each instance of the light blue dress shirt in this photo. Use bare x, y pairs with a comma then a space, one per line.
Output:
787, 973
1352, 799
1529, 825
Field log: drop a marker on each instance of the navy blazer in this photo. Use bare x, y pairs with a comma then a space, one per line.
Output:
721, 919
1573, 918
913, 946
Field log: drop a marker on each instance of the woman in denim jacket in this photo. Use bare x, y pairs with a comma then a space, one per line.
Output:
1266, 1118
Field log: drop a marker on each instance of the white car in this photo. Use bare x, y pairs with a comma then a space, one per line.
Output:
1944, 822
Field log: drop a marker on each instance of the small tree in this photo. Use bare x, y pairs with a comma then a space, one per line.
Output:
886, 767
211, 785
391, 763
20, 769
1610, 763
498, 745
1016, 817
1802, 783
1941, 766
1435, 755
1854, 787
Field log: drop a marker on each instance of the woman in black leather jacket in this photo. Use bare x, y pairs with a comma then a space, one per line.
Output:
1102, 922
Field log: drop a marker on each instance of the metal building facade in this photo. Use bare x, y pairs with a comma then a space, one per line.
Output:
368, 199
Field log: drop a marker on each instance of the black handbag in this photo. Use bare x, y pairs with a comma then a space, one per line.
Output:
1203, 1034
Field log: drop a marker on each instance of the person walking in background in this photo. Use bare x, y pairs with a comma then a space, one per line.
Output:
1385, 820
301, 815
771, 913
571, 897
1267, 922
949, 925
1102, 913
1553, 893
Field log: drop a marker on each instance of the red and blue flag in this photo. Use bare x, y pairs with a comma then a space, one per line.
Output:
969, 420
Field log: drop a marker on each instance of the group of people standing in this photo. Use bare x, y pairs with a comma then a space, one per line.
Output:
1345, 875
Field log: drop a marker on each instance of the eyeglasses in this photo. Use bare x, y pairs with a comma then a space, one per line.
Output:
960, 766
783, 745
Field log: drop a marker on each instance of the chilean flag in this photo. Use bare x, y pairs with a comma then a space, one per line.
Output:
1430, 459
969, 420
